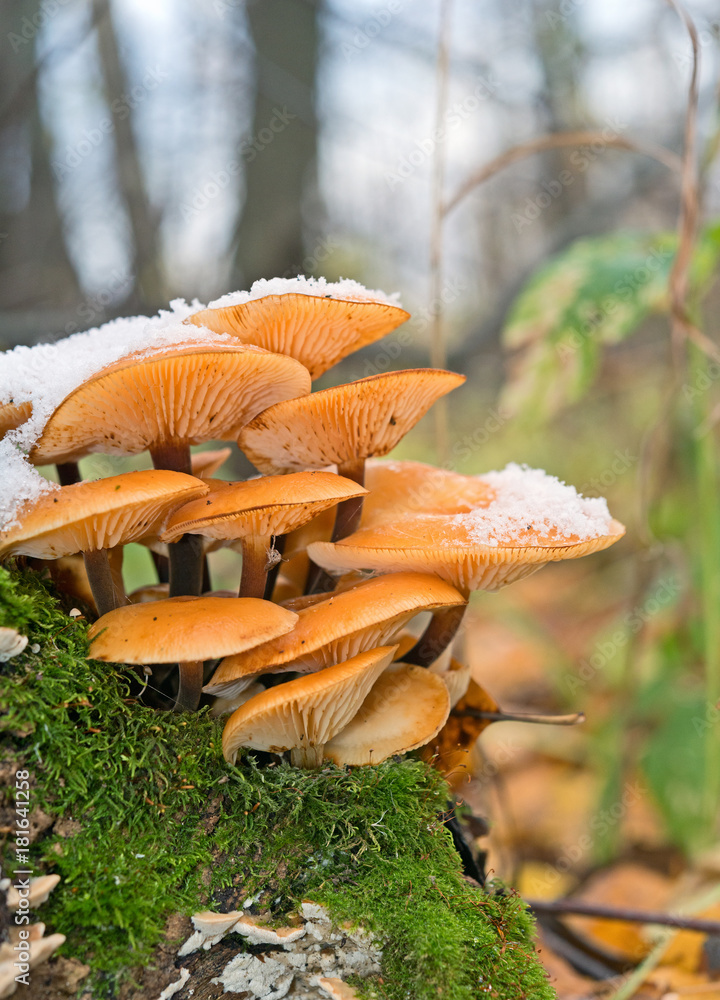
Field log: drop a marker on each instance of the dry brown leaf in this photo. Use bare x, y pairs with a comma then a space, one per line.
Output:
450, 749
629, 886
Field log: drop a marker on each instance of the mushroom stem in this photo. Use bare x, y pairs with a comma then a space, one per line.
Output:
278, 544
347, 520
103, 586
307, 757
349, 512
172, 455
190, 686
68, 473
186, 554
255, 549
186, 566
437, 636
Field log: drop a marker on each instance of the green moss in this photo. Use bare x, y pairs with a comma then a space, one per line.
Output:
164, 825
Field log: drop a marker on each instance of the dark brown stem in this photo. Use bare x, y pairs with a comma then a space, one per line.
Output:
437, 636
190, 687
68, 473
619, 913
349, 512
542, 720
186, 566
318, 580
278, 544
347, 520
162, 567
255, 549
172, 455
100, 577
186, 554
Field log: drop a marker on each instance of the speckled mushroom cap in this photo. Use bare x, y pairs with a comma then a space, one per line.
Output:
339, 628
270, 505
182, 629
12, 415
190, 394
406, 708
317, 331
307, 712
345, 423
98, 514
532, 519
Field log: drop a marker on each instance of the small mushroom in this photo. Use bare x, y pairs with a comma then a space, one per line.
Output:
12, 643
95, 517
344, 426
255, 511
186, 631
406, 708
304, 714
338, 628
318, 330
523, 520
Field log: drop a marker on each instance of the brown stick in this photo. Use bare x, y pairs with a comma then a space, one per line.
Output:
558, 140
543, 720
618, 913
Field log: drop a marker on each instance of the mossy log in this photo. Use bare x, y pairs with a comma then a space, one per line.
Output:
145, 823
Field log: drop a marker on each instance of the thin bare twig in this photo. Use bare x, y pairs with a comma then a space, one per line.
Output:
438, 354
689, 203
620, 913
559, 140
575, 719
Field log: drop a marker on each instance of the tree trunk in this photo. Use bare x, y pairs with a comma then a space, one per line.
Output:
280, 153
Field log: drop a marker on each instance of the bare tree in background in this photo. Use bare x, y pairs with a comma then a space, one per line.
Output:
36, 271
280, 158
148, 292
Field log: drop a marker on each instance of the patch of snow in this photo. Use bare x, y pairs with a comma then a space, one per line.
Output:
530, 499
45, 374
345, 289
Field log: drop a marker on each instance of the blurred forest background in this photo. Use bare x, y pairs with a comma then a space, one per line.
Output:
178, 148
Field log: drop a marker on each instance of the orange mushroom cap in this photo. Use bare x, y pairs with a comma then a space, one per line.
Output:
344, 423
190, 394
98, 514
182, 629
343, 625
406, 708
305, 713
12, 415
522, 520
270, 505
318, 331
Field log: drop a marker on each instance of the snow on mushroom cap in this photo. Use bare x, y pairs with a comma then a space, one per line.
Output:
45, 374
525, 496
346, 289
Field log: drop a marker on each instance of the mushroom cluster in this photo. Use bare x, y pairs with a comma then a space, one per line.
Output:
341, 552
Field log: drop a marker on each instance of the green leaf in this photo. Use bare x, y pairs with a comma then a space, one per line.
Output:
594, 293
